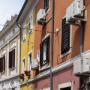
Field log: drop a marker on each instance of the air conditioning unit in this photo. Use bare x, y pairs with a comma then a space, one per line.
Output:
82, 66
34, 64
41, 16
75, 11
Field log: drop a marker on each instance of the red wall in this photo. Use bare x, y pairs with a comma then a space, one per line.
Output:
61, 77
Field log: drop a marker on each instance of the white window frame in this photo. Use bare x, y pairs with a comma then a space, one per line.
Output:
24, 34
48, 8
46, 65
47, 88
4, 54
23, 65
65, 85
31, 22
69, 51
29, 60
13, 46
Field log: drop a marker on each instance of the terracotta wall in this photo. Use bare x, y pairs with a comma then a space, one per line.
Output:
60, 12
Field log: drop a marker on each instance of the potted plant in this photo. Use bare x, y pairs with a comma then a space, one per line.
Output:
21, 76
27, 72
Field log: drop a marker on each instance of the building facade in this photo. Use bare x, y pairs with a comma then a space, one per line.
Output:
9, 56
26, 21
66, 46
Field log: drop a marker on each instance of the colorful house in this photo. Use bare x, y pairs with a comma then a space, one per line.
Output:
25, 21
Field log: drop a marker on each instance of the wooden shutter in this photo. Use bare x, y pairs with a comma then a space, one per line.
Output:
1, 65
10, 59
4, 63
47, 46
41, 54
13, 58
65, 44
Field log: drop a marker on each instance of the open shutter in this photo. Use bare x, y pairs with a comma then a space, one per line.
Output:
41, 54
47, 48
4, 63
13, 58
1, 65
65, 45
10, 59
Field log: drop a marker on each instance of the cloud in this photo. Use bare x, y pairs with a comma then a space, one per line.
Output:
9, 8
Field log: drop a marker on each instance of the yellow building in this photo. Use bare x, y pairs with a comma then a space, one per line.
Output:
26, 22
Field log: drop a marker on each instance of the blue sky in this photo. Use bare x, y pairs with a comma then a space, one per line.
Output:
9, 8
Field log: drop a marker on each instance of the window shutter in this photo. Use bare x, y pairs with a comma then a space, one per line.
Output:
47, 46
1, 65
41, 54
65, 45
13, 58
10, 59
4, 63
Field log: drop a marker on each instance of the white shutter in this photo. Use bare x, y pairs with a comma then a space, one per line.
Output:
24, 34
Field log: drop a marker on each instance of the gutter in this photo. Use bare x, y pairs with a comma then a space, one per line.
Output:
21, 11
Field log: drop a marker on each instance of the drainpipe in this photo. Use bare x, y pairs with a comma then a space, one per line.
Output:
52, 42
20, 45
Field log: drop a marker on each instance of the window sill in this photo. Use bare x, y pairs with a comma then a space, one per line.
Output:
3, 72
66, 53
13, 68
44, 67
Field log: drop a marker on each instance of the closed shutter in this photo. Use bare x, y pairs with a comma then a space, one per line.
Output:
46, 4
65, 44
13, 58
1, 65
47, 48
41, 54
10, 59
4, 63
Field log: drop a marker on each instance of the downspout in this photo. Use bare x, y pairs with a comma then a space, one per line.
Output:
81, 46
52, 42
20, 45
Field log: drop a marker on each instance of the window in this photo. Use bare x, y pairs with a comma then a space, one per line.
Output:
65, 37
2, 64
46, 5
13, 88
23, 65
66, 86
12, 59
30, 58
31, 23
24, 35
44, 52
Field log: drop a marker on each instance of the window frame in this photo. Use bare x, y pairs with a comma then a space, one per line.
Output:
48, 8
65, 85
69, 51
24, 34
29, 64
13, 67
24, 59
31, 23
44, 39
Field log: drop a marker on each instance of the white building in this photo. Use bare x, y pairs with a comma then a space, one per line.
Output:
9, 56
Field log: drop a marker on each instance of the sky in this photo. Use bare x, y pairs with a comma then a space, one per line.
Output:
9, 8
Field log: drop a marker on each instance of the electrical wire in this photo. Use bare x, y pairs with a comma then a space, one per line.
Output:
27, 28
